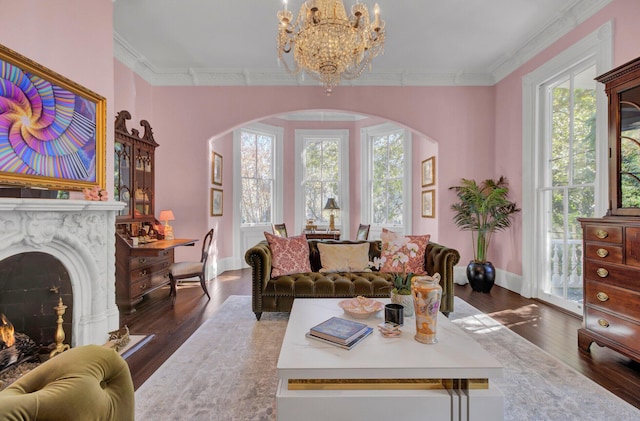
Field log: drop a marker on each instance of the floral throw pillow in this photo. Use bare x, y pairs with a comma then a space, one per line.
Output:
288, 254
403, 254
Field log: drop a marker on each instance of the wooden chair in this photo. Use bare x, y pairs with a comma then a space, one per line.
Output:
184, 270
280, 230
363, 232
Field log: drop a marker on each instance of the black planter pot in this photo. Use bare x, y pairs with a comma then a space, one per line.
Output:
481, 276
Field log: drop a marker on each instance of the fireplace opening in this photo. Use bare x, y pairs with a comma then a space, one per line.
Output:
31, 285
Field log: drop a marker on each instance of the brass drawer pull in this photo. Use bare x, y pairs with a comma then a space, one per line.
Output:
602, 252
143, 272
603, 323
142, 260
602, 272
602, 234
602, 296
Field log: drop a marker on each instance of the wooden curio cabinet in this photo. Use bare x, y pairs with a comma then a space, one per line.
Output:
623, 90
138, 271
134, 171
611, 245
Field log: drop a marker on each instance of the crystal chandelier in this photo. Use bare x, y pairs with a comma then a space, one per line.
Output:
328, 45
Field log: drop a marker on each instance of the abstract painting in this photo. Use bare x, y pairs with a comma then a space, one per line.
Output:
52, 131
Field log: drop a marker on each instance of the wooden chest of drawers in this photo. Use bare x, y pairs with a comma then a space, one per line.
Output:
611, 285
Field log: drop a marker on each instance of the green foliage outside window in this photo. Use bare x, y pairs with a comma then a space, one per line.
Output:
388, 178
573, 158
256, 172
321, 179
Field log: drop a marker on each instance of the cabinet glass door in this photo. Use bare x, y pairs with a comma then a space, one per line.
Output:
628, 171
144, 184
122, 177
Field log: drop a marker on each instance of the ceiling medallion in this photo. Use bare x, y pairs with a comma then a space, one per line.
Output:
327, 44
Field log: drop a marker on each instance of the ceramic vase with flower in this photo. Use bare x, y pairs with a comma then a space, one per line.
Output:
396, 251
427, 294
401, 293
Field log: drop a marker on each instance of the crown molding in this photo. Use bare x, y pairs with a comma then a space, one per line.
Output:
563, 24
556, 29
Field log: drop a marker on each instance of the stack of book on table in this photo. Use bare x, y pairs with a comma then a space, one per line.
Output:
340, 332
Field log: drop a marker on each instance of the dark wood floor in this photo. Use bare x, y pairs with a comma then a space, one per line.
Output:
546, 326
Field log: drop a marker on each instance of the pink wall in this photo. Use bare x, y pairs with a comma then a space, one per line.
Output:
73, 39
132, 94
506, 249
459, 119
477, 129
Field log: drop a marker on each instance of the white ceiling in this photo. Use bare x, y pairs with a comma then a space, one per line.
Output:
429, 42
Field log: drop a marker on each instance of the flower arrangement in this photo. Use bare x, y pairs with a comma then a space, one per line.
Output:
96, 194
398, 249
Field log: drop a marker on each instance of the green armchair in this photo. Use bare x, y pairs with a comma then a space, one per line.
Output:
86, 383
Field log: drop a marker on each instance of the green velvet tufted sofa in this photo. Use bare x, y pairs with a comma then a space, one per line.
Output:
89, 383
277, 294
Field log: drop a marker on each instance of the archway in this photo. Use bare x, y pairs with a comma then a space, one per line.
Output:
423, 147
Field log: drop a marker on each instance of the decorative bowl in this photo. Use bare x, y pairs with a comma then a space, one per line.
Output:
360, 307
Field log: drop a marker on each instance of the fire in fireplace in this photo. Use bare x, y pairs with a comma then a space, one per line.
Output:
6, 331
15, 347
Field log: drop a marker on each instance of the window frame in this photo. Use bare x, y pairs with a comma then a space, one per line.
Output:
597, 46
366, 133
301, 135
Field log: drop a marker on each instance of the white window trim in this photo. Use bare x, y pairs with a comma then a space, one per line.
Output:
367, 174
343, 220
598, 44
278, 182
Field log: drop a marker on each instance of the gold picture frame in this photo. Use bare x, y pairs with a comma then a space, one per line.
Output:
216, 169
66, 125
429, 172
429, 203
216, 202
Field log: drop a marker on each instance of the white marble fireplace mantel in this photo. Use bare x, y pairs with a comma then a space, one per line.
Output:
81, 235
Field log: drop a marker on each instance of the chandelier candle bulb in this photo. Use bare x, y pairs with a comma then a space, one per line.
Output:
376, 12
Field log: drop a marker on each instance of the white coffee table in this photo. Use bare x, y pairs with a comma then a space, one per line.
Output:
450, 380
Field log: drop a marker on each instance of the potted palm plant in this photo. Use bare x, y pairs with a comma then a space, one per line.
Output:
482, 209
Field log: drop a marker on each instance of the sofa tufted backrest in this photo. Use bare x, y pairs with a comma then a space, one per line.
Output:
314, 255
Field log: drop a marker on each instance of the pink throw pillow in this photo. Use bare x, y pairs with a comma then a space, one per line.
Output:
288, 254
413, 247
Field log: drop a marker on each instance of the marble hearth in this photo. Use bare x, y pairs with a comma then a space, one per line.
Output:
81, 235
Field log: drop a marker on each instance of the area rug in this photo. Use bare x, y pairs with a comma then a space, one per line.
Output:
227, 371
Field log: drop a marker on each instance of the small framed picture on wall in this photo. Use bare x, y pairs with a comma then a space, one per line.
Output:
216, 202
216, 169
429, 172
429, 204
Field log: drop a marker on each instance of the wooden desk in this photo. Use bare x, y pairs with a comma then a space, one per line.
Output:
322, 235
143, 268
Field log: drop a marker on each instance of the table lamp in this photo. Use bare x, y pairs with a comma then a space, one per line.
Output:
331, 206
166, 216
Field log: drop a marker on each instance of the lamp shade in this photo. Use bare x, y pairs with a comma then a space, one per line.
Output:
166, 215
331, 204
